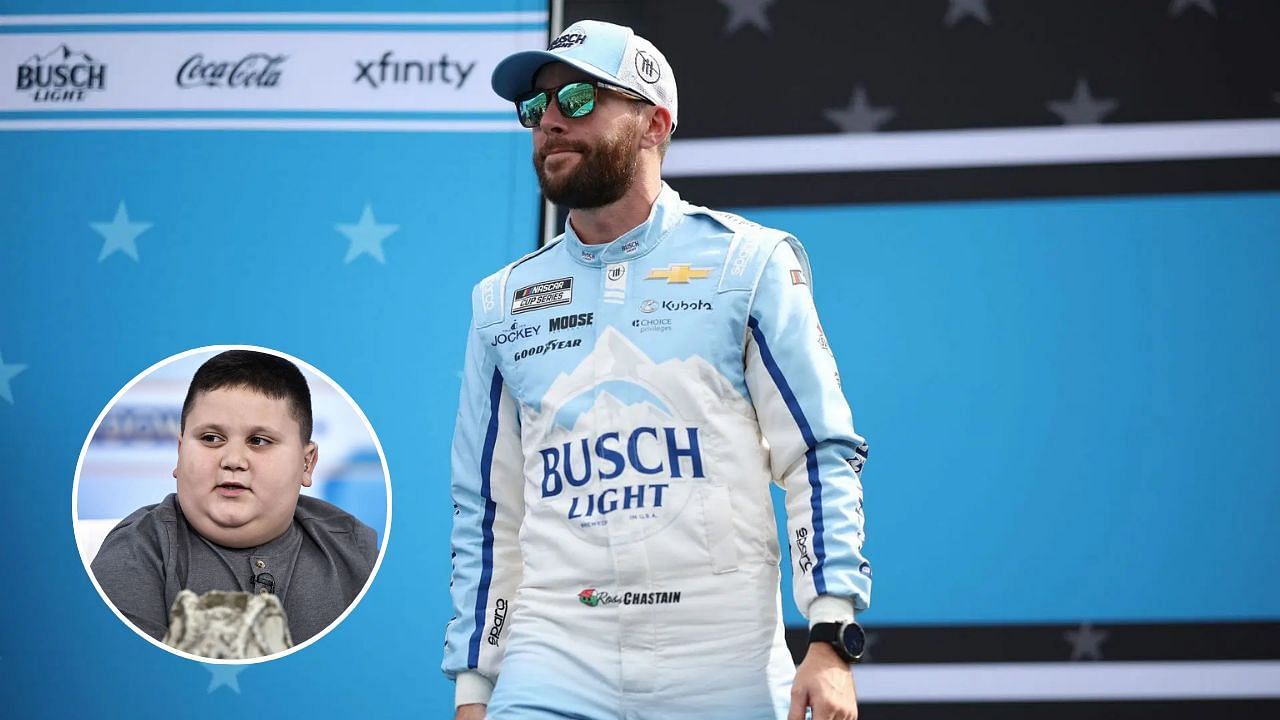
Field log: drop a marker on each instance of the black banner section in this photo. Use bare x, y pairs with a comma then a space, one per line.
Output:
1163, 710
1023, 181
787, 67
1064, 643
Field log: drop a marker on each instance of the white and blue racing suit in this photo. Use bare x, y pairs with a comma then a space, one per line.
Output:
624, 408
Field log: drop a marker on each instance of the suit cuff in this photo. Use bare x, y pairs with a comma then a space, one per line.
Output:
828, 609
472, 687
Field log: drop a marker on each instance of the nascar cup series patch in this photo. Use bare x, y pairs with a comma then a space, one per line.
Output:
544, 294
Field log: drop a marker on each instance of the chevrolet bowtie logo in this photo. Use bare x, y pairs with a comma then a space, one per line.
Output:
678, 274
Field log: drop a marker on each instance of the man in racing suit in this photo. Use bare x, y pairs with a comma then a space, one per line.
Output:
630, 390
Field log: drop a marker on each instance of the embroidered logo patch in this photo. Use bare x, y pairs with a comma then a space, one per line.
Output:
544, 294
678, 274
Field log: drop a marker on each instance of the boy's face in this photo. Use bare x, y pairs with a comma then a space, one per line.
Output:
241, 464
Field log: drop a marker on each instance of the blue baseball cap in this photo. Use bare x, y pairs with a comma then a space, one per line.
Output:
613, 53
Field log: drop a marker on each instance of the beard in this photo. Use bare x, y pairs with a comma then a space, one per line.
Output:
605, 171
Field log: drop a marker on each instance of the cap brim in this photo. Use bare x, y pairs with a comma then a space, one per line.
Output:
514, 75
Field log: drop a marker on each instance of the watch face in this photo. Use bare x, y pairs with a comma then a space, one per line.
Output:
853, 639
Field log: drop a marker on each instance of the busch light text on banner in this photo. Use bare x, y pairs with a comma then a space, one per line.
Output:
61, 75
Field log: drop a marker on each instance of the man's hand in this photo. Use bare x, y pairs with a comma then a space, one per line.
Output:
473, 711
823, 682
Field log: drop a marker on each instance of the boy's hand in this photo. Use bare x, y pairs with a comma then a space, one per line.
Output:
474, 711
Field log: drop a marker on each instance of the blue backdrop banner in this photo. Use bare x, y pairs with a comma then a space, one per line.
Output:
326, 183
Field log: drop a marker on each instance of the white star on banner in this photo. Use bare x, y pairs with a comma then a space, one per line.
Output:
366, 236
742, 12
860, 115
1178, 7
224, 675
7, 373
961, 9
1082, 108
119, 234
1086, 642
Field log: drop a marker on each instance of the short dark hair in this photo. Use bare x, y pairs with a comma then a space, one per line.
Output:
270, 375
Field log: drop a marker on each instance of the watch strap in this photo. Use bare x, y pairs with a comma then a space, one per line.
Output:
832, 634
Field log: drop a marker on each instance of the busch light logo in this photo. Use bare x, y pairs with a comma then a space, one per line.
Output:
258, 70
668, 452
567, 40
61, 75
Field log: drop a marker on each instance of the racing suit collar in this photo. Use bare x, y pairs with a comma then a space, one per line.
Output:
636, 242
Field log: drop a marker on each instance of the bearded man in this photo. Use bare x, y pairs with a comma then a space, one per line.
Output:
630, 391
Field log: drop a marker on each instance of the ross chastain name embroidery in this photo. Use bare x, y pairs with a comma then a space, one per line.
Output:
592, 597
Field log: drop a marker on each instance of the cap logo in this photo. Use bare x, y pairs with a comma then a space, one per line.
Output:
647, 67
567, 40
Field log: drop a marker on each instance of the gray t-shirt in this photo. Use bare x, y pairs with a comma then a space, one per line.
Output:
316, 568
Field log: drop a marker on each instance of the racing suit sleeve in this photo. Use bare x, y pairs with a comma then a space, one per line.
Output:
488, 506
814, 452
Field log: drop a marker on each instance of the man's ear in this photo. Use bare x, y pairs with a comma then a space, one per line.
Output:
175, 467
658, 129
310, 456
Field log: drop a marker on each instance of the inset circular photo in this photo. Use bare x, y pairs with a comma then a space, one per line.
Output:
231, 504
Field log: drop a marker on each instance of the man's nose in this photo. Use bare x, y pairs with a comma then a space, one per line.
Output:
235, 456
553, 121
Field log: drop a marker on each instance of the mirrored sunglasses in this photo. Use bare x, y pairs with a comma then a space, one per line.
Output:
574, 100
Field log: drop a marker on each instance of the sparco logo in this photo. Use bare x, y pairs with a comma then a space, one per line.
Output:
514, 333
499, 619
258, 70
591, 597
802, 548
390, 70
61, 75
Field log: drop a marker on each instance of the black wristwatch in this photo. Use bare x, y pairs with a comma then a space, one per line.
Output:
847, 638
